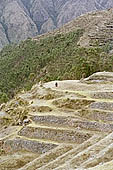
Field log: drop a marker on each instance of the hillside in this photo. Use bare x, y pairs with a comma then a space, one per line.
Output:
59, 128
74, 51
20, 19
53, 58
97, 26
56, 98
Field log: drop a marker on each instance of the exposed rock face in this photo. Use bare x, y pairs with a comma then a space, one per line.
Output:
47, 26
75, 8
3, 37
18, 25
20, 19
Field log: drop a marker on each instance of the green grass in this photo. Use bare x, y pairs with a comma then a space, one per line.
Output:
53, 58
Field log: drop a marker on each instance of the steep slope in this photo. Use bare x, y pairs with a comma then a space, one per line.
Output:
51, 58
16, 23
97, 26
74, 51
75, 8
68, 126
3, 37
21, 19
65, 127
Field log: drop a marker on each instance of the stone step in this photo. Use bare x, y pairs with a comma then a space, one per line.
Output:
93, 126
84, 121
67, 156
102, 95
73, 103
103, 156
48, 157
102, 106
95, 115
88, 153
16, 160
57, 121
56, 112
21, 144
52, 120
8, 132
54, 134
103, 166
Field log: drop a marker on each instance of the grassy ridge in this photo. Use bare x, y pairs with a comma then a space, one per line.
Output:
51, 58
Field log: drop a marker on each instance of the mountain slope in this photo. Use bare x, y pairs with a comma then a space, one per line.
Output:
21, 19
78, 49
65, 127
75, 8
97, 26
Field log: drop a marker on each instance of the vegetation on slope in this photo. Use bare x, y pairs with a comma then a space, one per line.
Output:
52, 58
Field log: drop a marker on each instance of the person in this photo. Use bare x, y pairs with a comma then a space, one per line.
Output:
41, 84
56, 84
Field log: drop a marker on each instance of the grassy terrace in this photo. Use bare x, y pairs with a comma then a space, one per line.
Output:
52, 58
